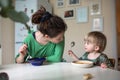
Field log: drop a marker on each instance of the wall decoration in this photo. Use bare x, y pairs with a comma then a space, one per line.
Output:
73, 2
69, 14
60, 3
82, 14
97, 24
95, 7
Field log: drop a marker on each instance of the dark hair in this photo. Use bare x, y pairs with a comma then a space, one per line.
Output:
98, 38
47, 23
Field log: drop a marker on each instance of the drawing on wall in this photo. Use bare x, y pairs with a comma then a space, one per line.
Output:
95, 8
73, 2
68, 14
97, 24
82, 14
60, 3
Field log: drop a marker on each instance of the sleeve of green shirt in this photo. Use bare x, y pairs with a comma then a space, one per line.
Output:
58, 53
104, 59
25, 41
84, 56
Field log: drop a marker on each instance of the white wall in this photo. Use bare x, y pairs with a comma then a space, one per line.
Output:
0, 43
77, 31
7, 40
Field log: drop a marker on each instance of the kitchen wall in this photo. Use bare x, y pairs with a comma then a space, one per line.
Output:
7, 40
77, 31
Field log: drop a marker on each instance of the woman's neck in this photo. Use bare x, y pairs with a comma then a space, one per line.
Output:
40, 38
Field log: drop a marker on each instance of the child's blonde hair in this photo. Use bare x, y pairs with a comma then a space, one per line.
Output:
98, 39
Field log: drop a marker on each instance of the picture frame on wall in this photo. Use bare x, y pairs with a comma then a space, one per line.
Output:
60, 3
73, 2
69, 14
82, 14
97, 24
95, 8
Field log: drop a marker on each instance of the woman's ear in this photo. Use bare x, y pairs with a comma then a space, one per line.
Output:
46, 36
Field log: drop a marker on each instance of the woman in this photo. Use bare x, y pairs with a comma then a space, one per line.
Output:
47, 41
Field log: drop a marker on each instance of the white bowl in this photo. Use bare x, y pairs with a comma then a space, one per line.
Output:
83, 63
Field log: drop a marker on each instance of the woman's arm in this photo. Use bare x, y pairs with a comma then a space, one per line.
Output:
58, 53
22, 54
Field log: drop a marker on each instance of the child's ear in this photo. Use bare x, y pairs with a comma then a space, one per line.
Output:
97, 48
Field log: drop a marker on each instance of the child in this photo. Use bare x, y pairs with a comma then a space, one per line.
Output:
95, 43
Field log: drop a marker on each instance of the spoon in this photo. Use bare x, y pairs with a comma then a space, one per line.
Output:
72, 44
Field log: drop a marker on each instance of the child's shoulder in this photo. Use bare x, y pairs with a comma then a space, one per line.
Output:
103, 55
86, 53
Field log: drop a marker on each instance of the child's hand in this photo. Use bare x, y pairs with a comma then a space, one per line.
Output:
23, 50
70, 53
73, 55
103, 65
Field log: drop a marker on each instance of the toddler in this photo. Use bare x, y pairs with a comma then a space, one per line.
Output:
94, 43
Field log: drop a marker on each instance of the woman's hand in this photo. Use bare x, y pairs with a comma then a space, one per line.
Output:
103, 65
23, 50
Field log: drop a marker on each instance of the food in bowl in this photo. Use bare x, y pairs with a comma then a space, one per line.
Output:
83, 63
36, 61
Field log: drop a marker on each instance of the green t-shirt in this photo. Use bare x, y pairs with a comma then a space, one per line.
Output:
101, 59
51, 51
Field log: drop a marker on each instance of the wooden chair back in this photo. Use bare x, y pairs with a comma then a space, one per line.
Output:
112, 60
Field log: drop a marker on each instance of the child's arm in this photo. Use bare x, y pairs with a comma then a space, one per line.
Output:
104, 62
73, 55
103, 65
58, 53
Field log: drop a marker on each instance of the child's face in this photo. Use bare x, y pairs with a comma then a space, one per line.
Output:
90, 46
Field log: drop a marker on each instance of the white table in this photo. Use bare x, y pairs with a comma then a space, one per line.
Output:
57, 71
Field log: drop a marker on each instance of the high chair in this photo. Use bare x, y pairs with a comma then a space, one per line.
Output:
112, 60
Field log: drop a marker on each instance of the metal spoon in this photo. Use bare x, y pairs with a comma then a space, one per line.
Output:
72, 44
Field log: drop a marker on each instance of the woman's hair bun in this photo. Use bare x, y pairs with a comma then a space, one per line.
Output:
45, 17
37, 16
